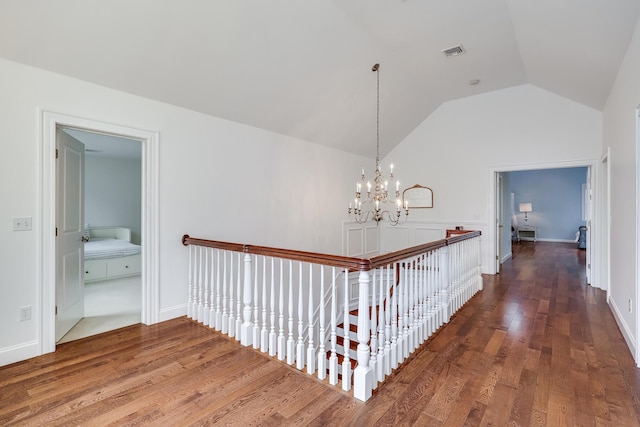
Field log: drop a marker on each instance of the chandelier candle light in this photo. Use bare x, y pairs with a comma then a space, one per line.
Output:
376, 200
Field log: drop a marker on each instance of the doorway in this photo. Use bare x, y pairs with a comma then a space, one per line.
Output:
112, 200
496, 195
48, 192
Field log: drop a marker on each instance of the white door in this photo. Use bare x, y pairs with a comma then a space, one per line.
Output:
589, 199
69, 227
499, 221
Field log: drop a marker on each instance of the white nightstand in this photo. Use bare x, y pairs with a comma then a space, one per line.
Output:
527, 232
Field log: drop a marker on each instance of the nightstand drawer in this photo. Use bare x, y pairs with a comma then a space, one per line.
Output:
95, 270
123, 266
527, 232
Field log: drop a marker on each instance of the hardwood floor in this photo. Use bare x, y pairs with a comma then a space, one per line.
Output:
536, 347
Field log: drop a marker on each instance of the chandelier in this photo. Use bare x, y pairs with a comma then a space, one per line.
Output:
378, 203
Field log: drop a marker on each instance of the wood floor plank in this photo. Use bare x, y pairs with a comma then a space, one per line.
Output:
537, 347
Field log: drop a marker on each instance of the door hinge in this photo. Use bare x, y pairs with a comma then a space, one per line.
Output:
56, 310
56, 153
56, 231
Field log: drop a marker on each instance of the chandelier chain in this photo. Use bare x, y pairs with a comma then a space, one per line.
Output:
377, 70
379, 195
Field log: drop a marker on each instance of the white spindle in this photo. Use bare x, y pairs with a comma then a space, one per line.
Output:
381, 316
311, 351
300, 342
478, 256
373, 357
207, 281
422, 296
218, 323
333, 359
387, 322
212, 293
346, 362
444, 283
281, 337
291, 357
416, 303
256, 305
412, 302
264, 333
224, 318
430, 294
272, 316
232, 286
240, 296
322, 354
405, 312
197, 309
394, 316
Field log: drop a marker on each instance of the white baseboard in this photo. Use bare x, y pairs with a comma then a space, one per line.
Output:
173, 312
556, 241
506, 257
19, 352
624, 328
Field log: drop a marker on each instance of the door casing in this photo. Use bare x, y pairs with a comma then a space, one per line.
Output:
593, 260
50, 121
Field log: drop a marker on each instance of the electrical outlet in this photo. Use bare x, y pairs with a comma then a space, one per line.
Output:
22, 224
25, 313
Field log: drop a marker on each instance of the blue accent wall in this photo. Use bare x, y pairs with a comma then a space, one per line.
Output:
556, 198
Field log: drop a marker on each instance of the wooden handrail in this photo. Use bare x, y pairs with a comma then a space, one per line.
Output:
349, 263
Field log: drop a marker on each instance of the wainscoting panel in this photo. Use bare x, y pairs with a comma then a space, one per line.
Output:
360, 240
372, 240
355, 241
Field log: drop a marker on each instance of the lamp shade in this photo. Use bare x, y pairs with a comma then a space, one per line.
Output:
525, 207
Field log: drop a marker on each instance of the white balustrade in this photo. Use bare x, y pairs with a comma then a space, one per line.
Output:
300, 311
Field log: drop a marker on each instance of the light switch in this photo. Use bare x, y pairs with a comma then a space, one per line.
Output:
22, 224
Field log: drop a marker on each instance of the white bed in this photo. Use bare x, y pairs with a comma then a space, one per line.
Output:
110, 254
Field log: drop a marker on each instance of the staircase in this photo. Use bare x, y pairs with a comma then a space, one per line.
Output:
287, 303
353, 341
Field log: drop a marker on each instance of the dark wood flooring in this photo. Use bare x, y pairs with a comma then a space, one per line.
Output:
536, 347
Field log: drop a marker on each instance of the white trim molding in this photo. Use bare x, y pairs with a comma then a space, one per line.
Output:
590, 163
47, 192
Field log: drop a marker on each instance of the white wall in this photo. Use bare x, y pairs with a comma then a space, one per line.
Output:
620, 135
455, 150
113, 193
557, 198
218, 180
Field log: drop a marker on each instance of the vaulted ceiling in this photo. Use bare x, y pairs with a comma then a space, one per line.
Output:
303, 68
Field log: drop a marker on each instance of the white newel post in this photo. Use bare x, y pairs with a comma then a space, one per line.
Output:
444, 284
363, 376
247, 328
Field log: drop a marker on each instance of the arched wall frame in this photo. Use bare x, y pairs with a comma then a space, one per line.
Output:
418, 196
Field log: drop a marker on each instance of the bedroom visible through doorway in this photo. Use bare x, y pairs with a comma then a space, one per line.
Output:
112, 219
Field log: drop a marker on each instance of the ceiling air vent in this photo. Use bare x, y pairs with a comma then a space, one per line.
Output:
453, 51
